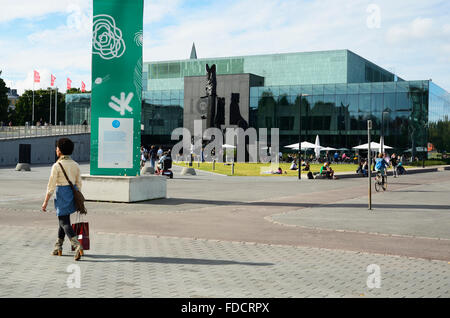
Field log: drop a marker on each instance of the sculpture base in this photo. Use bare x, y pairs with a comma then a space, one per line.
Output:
123, 189
23, 167
188, 171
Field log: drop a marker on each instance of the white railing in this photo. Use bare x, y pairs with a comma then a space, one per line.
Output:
14, 132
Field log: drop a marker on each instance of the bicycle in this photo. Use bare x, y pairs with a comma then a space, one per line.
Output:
380, 182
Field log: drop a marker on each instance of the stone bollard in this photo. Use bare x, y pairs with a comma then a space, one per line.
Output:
188, 171
23, 167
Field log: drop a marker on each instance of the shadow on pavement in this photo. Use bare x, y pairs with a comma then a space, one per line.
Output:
181, 201
163, 260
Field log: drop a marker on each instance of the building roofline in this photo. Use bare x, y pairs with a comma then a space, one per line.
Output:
244, 56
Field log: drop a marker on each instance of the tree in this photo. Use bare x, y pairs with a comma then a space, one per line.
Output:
4, 102
24, 106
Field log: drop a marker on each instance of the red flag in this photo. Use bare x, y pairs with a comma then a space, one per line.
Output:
37, 78
52, 80
83, 87
69, 84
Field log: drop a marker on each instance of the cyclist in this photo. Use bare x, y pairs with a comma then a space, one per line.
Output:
381, 165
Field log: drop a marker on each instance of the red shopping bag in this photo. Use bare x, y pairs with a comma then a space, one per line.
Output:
81, 230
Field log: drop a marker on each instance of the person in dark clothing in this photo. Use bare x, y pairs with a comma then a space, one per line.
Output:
153, 154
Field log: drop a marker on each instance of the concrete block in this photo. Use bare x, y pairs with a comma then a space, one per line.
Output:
23, 167
188, 171
123, 189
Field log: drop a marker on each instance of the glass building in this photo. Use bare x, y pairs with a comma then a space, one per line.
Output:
333, 92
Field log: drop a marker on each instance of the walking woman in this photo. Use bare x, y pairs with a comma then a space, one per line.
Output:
64, 202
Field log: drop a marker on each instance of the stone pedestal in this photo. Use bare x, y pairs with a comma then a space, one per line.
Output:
123, 189
23, 167
188, 171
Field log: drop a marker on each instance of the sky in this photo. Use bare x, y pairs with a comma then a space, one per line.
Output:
408, 37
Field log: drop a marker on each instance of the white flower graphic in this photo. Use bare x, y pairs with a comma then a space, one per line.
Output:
107, 39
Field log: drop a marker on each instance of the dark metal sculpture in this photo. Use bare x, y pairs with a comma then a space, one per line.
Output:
211, 85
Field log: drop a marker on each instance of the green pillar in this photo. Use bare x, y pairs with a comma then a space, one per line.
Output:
116, 87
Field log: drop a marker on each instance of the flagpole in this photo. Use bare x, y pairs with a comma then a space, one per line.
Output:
32, 116
56, 105
50, 119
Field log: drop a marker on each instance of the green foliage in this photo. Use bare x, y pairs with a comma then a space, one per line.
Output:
24, 107
439, 135
429, 163
3, 101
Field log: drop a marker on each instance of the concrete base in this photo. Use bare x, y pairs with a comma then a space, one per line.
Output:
23, 167
188, 171
123, 189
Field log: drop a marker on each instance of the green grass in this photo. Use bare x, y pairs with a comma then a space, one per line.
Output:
255, 169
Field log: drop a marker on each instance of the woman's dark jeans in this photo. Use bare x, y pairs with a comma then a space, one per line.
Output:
65, 228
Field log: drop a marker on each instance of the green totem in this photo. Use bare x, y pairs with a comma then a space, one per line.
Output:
116, 87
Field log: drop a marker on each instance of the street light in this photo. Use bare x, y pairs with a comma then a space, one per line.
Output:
382, 131
300, 137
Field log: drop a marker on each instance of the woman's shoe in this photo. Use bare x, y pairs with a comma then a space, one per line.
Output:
58, 247
78, 248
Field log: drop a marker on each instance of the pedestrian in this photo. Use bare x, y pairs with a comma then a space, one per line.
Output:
394, 163
153, 156
64, 200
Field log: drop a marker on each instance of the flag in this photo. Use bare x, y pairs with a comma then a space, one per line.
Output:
83, 87
69, 84
37, 78
52, 80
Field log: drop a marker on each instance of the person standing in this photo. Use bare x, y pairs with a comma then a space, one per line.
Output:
153, 156
394, 163
64, 200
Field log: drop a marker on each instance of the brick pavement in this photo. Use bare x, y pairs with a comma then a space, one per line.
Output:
128, 265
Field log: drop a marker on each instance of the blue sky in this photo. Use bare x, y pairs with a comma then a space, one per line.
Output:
408, 37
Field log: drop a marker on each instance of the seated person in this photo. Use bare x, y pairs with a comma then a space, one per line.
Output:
159, 166
279, 171
293, 165
362, 168
326, 170
307, 167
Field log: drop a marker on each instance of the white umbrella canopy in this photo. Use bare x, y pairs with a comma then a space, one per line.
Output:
373, 146
228, 146
305, 145
317, 149
328, 149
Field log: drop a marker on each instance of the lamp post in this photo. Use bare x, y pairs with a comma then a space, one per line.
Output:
300, 137
382, 132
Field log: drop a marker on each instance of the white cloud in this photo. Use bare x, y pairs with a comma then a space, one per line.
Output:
420, 28
413, 37
156, 10
28, 9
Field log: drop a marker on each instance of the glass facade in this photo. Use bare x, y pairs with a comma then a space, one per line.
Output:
323, 67
335, 92
338, 113
162, 112
439, 119
78, 109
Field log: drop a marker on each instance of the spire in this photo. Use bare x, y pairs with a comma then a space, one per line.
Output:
193, 52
